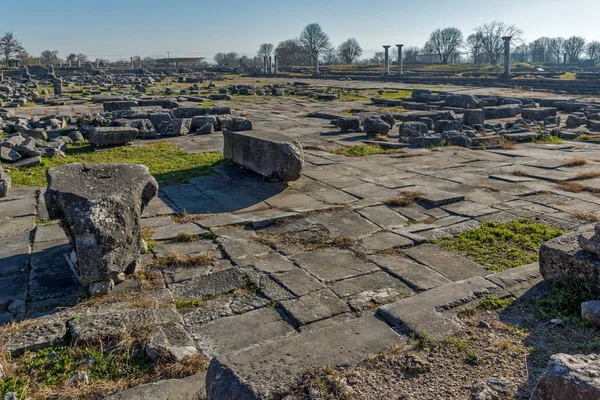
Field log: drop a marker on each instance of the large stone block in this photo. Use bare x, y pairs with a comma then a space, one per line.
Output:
505, 111
110, 106
5, 183
570, 377
538, 114
99, 206
112, 136
563, 257
268, 154
462, 101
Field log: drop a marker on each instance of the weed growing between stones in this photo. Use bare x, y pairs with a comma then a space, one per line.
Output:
575, 187
366, 150
586, 175
576, 162
565, 298
407, 198
493, 303
167, 163
182, 260
586, 216
501, 246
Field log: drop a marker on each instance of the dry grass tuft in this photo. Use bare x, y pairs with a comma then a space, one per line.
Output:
184, 218
187, 237
586, 175
188, 366
181, 260
586, 217
488, 187
574, 187
575, 162
519, 172
408, 197
343, 242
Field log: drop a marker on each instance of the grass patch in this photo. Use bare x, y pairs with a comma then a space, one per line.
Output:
501, 246
493, 303
408, 197
366, 150
187, 237
167, 163
568, 76
191, 303
586, 216
565, 298
586, 175
545, 139
184, 218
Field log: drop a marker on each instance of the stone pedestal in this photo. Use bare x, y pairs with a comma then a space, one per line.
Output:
387, 59
57, 86
99, 207
400, 72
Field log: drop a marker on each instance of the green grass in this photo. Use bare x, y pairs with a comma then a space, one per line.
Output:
51, 368
359, 151
396, 94
544, 139
499, 247
167, 163
564, 300
569, 76
493, 303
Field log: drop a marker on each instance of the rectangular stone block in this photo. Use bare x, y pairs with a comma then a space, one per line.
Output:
112, 136
268, 154
110, 106
563, 257
538, 114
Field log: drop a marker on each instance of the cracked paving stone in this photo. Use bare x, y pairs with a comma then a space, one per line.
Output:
298, 281
377, 281
416, 275
314, 307
35, 335
211, 285
329, 265
344, 223
223, 306
382, 241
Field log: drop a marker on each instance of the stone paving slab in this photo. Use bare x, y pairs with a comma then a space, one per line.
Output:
314, 306
18, 208
192, 387
14, 254
376, 281
268, 370
202, 287
330, 265
518, 280
451, 265
298, 281
238, 332
382, 241
344, 223
438, 198
417, 276
166, 232
16, 226
383, 216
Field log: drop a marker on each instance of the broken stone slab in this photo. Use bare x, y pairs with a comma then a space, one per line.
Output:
570, 377
437, 197
234, 123
563, 257
505, 111
5, 183
590, 241
268, 154
538, 114
349, 123
517, 280
269, 370
474, 117
453, 266
176, 127
170, 341
110, 106
99, 206
433, 312
35, 335
314, 306
112, 136
192, 387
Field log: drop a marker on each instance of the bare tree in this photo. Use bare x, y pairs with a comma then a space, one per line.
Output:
72, 57
49, 57
330, 55
540, 50
520, 53
290, 52
314, 40
229, 59
474, 44
10, 46
445, 42
574, 47
491, 36
265, 50
411, 55
349, 51
82, 58
378, 58
593, 50
556, 47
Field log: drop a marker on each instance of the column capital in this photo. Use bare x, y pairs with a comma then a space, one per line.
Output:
386, 46
506, 37
399, 45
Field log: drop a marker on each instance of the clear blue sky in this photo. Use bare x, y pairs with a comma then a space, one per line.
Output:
122, 28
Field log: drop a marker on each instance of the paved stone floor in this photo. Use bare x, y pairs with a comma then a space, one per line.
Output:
299, 271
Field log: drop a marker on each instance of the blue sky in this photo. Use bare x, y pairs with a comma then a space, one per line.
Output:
122, 28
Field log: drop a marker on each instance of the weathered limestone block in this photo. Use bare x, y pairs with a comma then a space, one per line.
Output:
112, 136
5, 183
176, 127
110, 106
462, 101
172, 341
474, 117
350, 123
268, 154
570, 377
99, 206
201, 120
233, 123
375, 126
563, 257
538, 114
505, 111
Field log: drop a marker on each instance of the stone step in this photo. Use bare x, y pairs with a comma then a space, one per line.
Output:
192, 387
268, 370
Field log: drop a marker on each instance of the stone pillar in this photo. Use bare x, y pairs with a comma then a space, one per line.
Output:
97, 63
140, 62
399, 46
57, 85
70, 63
507, 56
276, 60
316, 63
176, 66
79, 63
264, 64
39, 61
387, 59
131, 58
270, 65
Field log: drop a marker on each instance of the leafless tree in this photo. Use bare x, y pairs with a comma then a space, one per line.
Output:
82, 58
593, 50
378, 58
265, 50
556, 47
411, 55
72, 57
314, 40
474, 44
491, 37
330, 56
290, 52
229, 59
349, 51
49, 57
540, 50
445, 42
9, 46
574, 47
